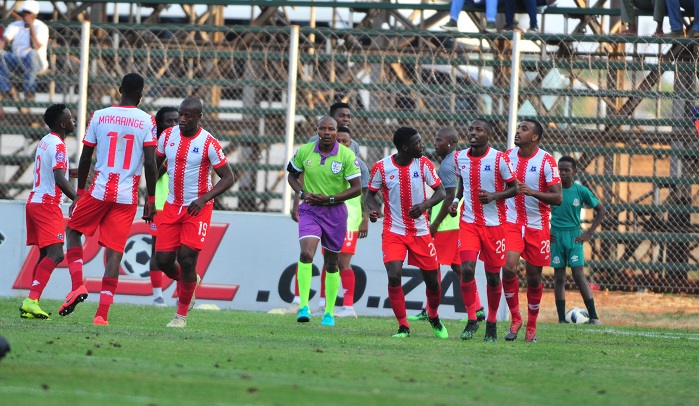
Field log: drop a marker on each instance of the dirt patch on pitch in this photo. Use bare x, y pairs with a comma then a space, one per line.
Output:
629, 309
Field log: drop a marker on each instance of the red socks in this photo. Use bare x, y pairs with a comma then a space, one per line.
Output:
156, 278
494, 295
43, 273
469, 292
74, 256
348, 281
534, 300
433, 299
397, 299
511, 288
186, 292
109, 286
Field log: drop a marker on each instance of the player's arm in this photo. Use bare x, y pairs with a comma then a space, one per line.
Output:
510, 190
364, 226
551, 196
444, 209
372, 205
151, 172
354, 190
417, 210
600, 212
454, 203
63, 183
84, 165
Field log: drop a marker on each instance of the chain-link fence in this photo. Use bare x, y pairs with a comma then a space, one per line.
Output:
620, 105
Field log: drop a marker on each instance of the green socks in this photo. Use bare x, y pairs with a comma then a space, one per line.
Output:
332, 285
304, 273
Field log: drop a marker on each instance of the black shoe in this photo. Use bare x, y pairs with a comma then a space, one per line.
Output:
491, 332
471, 328
562, 322
450, 26
480, 314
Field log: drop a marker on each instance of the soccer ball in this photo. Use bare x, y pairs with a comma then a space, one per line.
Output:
136, 259
577, 315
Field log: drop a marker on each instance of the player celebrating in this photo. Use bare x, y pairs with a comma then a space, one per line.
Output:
124, 138
567, 240
487, 180
191, 152
445, 230
401, 178
527, 228
44, 216
330, 177
165, 118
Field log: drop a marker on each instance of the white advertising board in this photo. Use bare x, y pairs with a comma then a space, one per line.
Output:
248, 264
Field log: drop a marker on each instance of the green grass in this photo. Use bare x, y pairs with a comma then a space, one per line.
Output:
227, 357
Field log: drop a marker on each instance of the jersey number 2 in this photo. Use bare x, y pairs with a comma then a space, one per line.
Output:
113, 141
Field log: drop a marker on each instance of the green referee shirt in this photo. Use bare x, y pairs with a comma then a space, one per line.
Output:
326, 174
567, 215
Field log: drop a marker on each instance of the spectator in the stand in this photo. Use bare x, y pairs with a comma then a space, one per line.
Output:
676, 21
29, 37
491, 12
629, 15
531, 8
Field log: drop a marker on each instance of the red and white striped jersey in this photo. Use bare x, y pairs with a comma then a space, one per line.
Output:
50, 155
489, 172
189, 163
538, 172
119, 134
403, 187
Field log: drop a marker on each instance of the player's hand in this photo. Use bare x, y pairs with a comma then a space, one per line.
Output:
72, 206
373, 216
148, 212
524, 189
417, 210
364, 228
295, 209
484, 196
553, 238
583, 238
433, 229
315, 199
453, 209
195, 207
73, 173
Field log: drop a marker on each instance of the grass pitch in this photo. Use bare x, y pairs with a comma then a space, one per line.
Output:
233, 357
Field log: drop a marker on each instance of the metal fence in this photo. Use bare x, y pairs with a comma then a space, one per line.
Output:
620, 105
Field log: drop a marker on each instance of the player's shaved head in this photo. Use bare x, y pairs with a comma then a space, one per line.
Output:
484, 124
325, 118
193, 104
449, 134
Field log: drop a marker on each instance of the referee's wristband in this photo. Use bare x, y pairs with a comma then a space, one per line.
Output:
80, 192
455, 201
151, 199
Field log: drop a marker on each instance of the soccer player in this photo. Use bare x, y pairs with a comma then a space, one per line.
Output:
124, 138
44, 217
165, 118
401, 178
191, 153
445, 229
567, 240
527, 228
487, 179
331, 176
